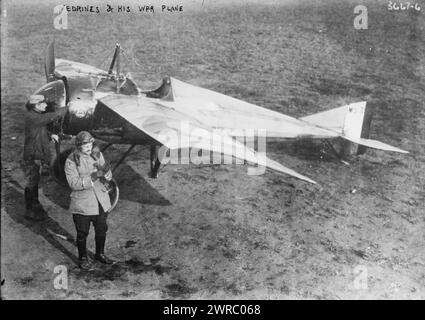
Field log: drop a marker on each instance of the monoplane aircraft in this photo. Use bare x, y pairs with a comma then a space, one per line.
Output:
179, 115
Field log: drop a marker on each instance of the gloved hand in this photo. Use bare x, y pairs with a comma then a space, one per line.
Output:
106, 167
97, 174
108, 175
64, 136
96, 152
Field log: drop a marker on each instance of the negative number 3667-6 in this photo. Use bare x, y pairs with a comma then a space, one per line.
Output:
401, 6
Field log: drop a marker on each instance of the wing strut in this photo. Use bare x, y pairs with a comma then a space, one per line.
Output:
155, 163
114, 58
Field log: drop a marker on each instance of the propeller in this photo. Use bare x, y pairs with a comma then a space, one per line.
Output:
49, 63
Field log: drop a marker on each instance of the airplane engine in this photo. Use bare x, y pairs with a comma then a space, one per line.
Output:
55, 94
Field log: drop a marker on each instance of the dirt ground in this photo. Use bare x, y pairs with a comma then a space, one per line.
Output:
214, 232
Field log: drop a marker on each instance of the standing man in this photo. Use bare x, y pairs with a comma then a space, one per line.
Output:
86, 171
37, 151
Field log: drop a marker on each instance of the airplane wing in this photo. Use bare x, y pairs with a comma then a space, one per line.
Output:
176, 130
234, 116
67, 68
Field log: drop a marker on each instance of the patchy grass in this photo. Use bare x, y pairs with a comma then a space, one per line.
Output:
214, 232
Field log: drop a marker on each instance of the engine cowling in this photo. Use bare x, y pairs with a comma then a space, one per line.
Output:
55, 94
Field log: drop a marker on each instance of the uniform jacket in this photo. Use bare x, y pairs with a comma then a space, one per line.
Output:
36, 146
85, 193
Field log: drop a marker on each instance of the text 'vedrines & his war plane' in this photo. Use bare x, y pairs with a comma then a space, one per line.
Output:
112, 107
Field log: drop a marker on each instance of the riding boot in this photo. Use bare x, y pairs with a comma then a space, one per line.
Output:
100, 250
83, 261
29, 211
29, 208
40, 213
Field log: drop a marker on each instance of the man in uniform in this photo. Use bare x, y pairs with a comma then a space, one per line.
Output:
37, 151
86, 173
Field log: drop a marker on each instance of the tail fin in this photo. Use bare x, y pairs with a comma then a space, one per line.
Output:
353, 119
352, 122
357, 121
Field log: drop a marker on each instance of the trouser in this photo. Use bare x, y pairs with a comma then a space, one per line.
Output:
32, 173
32, 176
82, 225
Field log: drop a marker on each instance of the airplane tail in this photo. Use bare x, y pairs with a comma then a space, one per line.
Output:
357, 121
352, 123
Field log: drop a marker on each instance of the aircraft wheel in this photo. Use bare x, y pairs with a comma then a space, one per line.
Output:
114, 193
57, 170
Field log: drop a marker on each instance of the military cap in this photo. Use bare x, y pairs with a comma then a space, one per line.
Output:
83, 137
36, 98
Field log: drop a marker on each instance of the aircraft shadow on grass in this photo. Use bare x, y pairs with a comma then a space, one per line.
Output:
135, 188
304, 149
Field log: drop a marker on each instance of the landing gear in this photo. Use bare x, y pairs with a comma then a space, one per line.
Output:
155, 163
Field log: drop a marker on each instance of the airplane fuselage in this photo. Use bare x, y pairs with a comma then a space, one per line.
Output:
85, 112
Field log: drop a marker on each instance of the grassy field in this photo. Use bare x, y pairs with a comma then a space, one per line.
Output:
213, 231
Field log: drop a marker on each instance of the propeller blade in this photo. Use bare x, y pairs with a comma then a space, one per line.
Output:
49, 63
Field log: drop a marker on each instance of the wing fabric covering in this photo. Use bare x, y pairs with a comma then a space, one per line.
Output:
220, 111
177, 130
234, 116
72, 69
374, 144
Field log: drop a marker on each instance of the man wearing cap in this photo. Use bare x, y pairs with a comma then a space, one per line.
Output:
85, 171
37, 151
